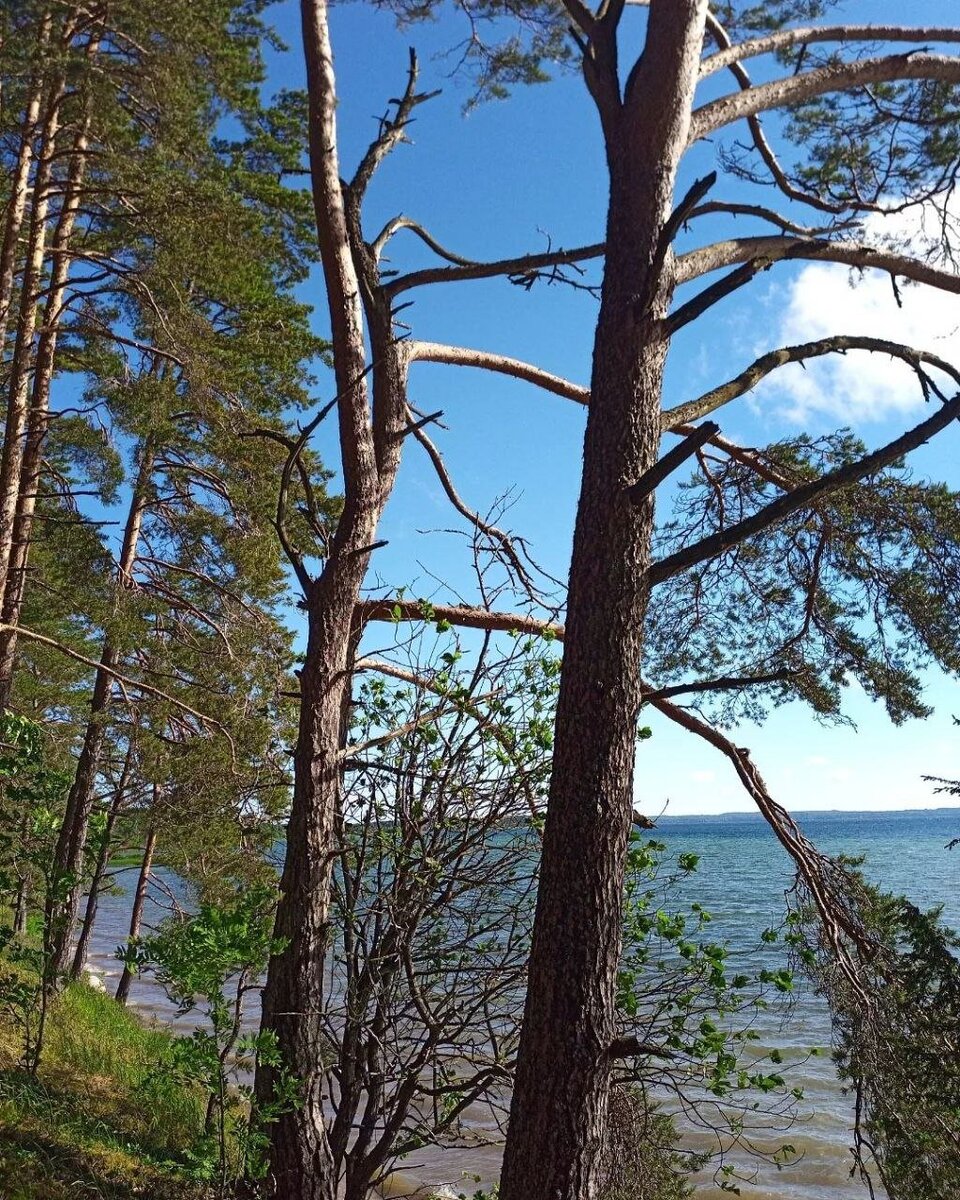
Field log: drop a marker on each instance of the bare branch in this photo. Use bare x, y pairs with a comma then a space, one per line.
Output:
754, 459
392, 129
747, 380
462, 356
465, 615
650, 480
762, 213
768, 250
726, 683
523, 265
814, 867
395, 224
500, 539
632, 1047
764, 149
832, 78
124, 680
783, 39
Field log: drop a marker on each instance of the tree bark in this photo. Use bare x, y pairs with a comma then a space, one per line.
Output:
372, 424
38, 422
62, 905
100, 869
19, 185
136, 913
11, 461
559, 1102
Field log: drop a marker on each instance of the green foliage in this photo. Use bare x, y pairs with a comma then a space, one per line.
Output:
895, 1035
207, 963
863, 587
95, 1122
693, 1010
31, 798
506, 42
638, 1160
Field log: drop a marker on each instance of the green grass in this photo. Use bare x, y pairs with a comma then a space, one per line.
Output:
99, 1120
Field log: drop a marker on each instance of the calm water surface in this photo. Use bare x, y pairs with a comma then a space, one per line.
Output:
741, 880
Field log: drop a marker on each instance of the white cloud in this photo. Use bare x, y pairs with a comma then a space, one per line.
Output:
826, 299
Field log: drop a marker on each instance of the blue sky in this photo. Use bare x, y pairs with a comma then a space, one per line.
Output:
503, 180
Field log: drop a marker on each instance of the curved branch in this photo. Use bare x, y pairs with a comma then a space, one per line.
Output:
462, 356
747, 380
768, 250
395, 224
762, 213
833, 78
764, 149
124, 680
813, 866
524, 264
783, 39
496, 535
801, 497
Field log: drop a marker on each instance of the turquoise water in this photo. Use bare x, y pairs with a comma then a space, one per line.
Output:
741, 879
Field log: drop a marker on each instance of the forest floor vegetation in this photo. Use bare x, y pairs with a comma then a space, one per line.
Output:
99, 1119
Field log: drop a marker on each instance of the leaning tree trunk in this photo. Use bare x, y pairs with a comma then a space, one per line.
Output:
100, 869
64, 899
136, 913
558, 1110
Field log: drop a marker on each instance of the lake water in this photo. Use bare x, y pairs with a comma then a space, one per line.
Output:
741, 879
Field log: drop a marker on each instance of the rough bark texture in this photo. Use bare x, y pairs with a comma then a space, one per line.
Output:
136, 913
372, 424
560, 1095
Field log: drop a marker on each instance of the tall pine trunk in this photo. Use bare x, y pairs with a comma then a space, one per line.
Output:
19, 182
64, 899
18, 385
372, 425
39, 414
136, 912
558, 1110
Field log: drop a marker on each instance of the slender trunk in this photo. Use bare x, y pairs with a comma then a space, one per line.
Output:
100, 869
136, 913
558, 1109
20, 906
19, 186
62, 904
21, 895
19, 381
30, 469
303, 1166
